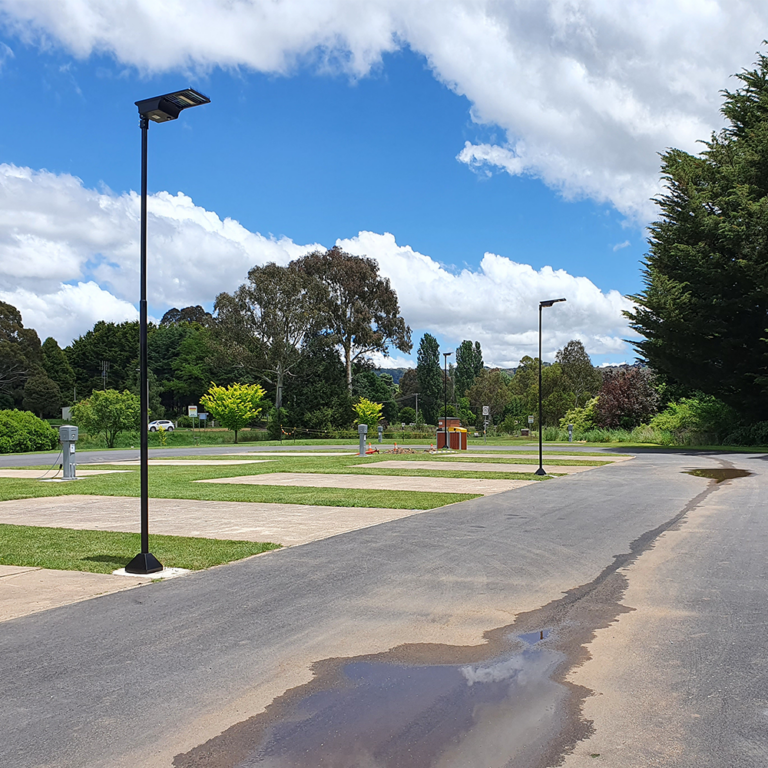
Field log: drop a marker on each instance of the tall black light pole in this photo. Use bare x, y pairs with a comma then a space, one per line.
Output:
159, 109
446, 355
540, 470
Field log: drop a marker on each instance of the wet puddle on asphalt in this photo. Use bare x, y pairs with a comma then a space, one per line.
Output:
504, 704
719, 474
497, 713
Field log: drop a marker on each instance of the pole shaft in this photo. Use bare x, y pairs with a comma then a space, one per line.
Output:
143, 373
541, 446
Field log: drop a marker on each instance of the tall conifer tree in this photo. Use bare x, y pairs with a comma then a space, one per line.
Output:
704, 310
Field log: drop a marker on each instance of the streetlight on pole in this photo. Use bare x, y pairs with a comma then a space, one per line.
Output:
159, 109
446, 355
540, 470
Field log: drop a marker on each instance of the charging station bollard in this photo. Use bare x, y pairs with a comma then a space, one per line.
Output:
570, 433
68, 438
381, 433
362, 431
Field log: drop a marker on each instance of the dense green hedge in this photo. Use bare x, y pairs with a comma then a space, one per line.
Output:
22, 431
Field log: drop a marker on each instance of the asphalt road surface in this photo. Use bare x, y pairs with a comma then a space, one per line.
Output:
651, 581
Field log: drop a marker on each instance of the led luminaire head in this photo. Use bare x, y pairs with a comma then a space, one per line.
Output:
160, 109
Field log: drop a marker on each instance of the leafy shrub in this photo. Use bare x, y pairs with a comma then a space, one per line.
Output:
583, 418
510, 425
627, 399
368, 412
108, 412
752, 434
275, 421
235, 406
321, 420
408, 415
22, 431
703, 419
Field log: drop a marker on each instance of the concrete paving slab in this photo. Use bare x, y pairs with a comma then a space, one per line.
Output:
187, 462
12, 570
33, 474
377, 482
31, 590
475, 466
291, 453
286, 524
26, 590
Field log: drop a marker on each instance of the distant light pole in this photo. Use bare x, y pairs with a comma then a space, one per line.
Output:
159, 109
540, 470
446, 355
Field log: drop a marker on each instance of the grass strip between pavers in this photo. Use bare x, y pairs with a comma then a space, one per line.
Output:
128, 485
66, 549
177, 482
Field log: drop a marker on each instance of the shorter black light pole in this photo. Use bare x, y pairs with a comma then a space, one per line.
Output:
159, 109
446, 355
540, 470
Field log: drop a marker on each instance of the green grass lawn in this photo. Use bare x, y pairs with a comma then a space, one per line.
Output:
106, 551
177, 482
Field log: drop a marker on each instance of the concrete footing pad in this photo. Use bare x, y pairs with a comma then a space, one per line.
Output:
166, 573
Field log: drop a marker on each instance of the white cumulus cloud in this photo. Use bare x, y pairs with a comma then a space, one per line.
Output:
69, 256
586, 92
497, 305
68, 311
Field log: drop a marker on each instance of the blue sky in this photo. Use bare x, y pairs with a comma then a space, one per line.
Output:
397, 141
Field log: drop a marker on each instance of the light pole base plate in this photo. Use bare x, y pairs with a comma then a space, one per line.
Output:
540, 471
144, 563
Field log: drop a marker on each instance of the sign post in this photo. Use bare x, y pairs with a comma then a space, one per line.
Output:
192, 411
486, 414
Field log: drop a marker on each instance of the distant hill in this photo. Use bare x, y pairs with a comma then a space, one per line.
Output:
395, 373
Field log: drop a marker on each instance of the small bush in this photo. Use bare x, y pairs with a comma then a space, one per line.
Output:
22, 431
583, 418
702, 420
408, 415
752, 434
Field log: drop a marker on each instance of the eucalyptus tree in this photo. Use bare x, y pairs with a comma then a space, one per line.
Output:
261, 327
362, 314
583, 379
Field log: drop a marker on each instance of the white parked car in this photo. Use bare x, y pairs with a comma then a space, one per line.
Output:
168, 426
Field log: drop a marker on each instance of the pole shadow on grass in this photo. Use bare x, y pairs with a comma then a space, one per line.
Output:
114, 560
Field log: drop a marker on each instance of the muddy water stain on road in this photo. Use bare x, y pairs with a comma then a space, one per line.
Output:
719, 474
503, 704
411, 716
